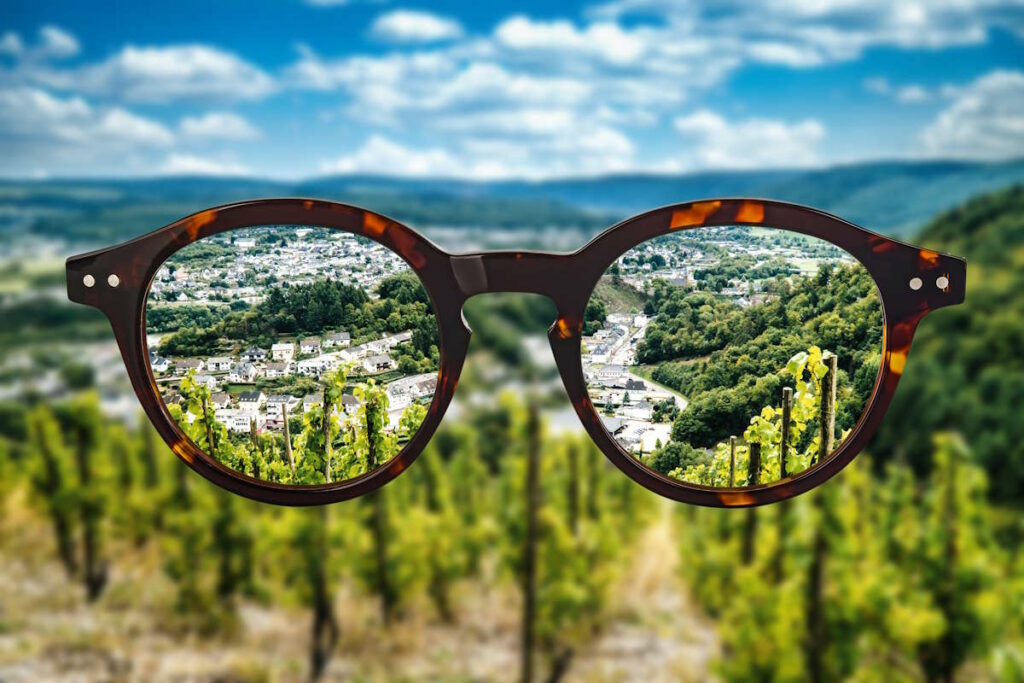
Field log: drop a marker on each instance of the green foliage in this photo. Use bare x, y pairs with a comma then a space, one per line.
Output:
805, 371
594, 316
729, 358
912, 583
966, 369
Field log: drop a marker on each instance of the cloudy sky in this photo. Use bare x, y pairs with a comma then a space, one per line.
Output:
295, 88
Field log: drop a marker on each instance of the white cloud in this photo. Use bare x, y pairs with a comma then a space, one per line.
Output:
436, 82
606, 40
807, 32
489, 158
10, 44
223, 125
44, 132
33, 114
187, 164
57, 43
411, 26
750, 143
164, 74
984, 121
382, 156
907, 94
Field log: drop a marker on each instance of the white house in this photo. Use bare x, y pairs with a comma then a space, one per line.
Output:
310, 367
160, 364
337, 339
242, 373
378, 363
241, 421
310, 345
251, 401
279, 369
186, 364
220, 400
349, 404
637, 411
219, 364
283, 351
611, 372
276, 405
253, 354
311, 401
208, 381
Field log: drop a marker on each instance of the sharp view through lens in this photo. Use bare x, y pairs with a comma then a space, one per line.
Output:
260, 334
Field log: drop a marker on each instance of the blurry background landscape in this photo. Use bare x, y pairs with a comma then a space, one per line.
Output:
532, 126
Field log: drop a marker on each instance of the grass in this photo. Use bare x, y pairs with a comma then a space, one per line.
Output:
619, 298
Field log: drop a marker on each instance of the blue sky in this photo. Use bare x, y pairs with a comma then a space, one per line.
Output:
296, 88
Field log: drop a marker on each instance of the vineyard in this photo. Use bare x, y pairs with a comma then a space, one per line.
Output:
515, 539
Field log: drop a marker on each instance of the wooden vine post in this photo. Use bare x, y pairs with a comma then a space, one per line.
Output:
754, 465
827, 415
732, 461
816, 643
530, 542
787, 406
287, 439
753, 479
573, 492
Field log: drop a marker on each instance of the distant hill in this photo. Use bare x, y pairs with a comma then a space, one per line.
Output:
892, 197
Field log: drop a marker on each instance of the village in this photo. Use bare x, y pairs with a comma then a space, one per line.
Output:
249, 261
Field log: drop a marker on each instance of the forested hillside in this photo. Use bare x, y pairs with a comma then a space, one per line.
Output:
966, 367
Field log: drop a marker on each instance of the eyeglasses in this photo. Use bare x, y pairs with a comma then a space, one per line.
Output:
730, 352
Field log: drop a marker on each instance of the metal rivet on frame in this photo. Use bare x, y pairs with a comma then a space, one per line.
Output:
915, 283
88, 281
113, 280
942, 282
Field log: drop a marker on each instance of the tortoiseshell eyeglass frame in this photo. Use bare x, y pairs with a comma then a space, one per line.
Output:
116, 280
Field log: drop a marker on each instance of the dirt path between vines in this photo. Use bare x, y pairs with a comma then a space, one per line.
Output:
658, 634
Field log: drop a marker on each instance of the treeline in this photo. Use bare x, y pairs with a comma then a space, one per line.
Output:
744, 268
728, 359
312, 309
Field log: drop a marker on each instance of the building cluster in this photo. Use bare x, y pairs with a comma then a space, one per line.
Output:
311, 357
258, 257
625, 400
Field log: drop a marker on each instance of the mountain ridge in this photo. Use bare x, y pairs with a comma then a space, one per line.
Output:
894, 197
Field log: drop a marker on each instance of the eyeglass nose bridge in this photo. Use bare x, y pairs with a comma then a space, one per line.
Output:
526, 272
